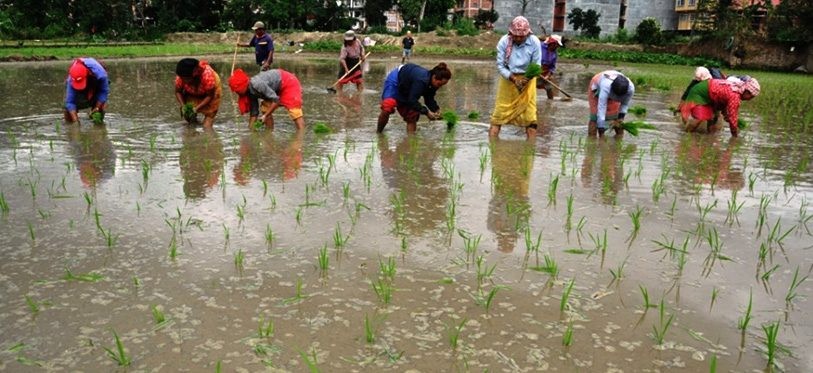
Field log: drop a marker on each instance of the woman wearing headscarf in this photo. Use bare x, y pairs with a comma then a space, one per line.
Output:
197, 83
549, 57
515, 104
712, 95
608, 94
349, 57
275, 88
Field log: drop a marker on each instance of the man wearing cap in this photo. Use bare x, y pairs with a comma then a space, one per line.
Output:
407, 42
549, 56
515, 104
608, 94
351, 55
263, 46
87, 86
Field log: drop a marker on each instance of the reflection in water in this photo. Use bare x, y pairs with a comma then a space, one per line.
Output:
704, 160
269, 156
610, 170
509, 208
201, 161
350, 105
93, 152
408, 171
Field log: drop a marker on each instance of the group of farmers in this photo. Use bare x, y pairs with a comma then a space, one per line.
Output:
198, 87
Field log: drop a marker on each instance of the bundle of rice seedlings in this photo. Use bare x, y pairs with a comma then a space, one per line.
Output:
533, 70
451, 119
97, 117
189, 111
474, 115
742, 123
258, 124
634, 126
321, 127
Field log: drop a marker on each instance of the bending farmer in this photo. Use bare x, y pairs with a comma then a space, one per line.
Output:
402, 89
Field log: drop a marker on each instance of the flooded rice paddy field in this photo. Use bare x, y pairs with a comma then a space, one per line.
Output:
349, 251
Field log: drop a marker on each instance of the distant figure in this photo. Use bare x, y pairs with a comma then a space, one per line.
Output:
404, 86
407, 42
350, 58
516, 105
275, 88
263, 46
368, 42
609, 94
549, 57
717, 94
197, 83
87, 86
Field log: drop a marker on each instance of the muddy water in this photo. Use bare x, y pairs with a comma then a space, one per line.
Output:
146, 213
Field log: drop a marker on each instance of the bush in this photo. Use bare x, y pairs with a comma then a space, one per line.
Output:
621, 36
648, 32
465, 26
378, 29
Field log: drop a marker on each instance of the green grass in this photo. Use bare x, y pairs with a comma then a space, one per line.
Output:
119, 355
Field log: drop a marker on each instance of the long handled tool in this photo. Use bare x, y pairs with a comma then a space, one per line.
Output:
568, 98
234, 58
332, 88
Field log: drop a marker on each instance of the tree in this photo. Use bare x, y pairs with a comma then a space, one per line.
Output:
586, 21
648, 32
374, 11
790, 22
485, 17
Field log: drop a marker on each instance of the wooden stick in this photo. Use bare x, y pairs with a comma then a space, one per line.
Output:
333, 87
234, 59
556, 86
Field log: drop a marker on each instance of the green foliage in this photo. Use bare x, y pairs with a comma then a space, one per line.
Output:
450, 117
466, 27
639, 57
321, 127
323, 45
97, 117
587, 21
633, 127
648, 32
474, 115
485, 17
790, 22
189, 111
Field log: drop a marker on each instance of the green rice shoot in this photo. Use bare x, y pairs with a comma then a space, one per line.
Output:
321, 127
533, 70
450, 117
97, 117
634, 126
189, 111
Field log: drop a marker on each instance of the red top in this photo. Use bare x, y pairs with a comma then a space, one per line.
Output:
206, 83
725, 100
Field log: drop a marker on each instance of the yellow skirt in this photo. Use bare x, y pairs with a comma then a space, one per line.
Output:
515, 107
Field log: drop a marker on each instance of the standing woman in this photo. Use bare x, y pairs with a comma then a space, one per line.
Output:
404, 86
515, 104
87, 86
609, 95
549, 57
725, 95
198, 83
351, 54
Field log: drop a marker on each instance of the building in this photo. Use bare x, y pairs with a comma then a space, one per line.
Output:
470, 8
355, 10
551, 16
395, 23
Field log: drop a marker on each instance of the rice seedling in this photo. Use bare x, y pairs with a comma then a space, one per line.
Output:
239, 258
704, 210
645, 295
484, 272
145, 171
83, 277
298, 295
31, 232
762, 214
270, 236
563, 303
323, 260
311, 361
109, 238
713, 364
173, 248
552, 186
776, 235
157, 315
453, 333
339, 239
550, 266
659, 330
218, 368
580, 226
766, 277
371, 328
635, 216
273, 200
470, 243
804, 217
794, 286
771, 346
618, 272
33, 306
298, 216
119, 355
715, 253
601, 244
567, 336
569, 218
153, 141
473, 115
387, 269
265, 328
752, 179
321, 128
384, 290
659, 187
742, 322
531, 246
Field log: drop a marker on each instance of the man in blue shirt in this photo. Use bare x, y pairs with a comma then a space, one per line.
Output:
87, 86
404, 86
263, 46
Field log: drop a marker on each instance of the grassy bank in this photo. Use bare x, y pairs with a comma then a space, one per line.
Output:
67, 51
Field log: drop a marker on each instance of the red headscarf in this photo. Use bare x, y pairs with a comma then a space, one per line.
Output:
238, 83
